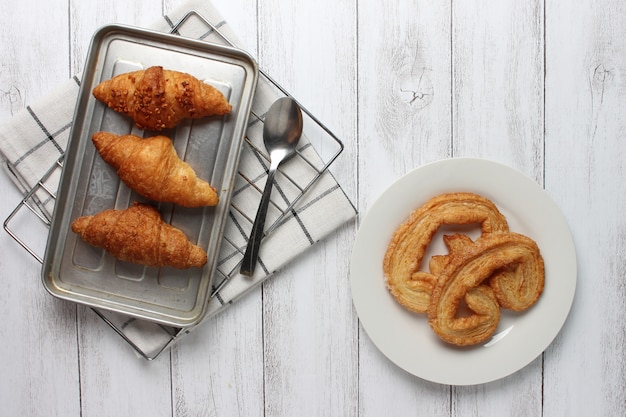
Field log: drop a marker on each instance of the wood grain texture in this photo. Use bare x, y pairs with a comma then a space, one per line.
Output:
585, 129
218, 371
497, 101
310, 332
30, 68
404, 66
113, 379
39, 352
87, 17
539, 86
39, 349
497, 52
123, 386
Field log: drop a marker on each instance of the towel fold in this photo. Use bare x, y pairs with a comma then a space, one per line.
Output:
35, 139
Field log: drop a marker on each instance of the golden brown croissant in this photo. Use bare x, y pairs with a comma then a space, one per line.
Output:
139, 235
410, 286
464, 274
152, 168
157, 99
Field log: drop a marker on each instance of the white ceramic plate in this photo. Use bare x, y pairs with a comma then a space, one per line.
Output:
405, 337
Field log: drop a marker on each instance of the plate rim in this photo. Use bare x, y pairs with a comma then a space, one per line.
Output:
364, 232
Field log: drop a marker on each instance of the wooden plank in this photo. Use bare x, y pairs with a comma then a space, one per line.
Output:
402, 85
404, 92
32, 62
219, 367
310, 334
585, 371
114, 381
39, 349
404, 121
497, 51
242, 17
87, 18
498, 83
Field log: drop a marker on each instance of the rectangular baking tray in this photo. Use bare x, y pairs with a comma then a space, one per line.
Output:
75, 271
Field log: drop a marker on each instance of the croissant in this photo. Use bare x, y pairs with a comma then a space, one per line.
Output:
152, 168
139, 235
157, 99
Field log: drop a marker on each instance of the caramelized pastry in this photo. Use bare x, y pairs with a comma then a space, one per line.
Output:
410, 286
157, 99
152, 168
139, 235
519, 286
464, 275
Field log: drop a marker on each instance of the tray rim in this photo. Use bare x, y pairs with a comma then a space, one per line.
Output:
84, 105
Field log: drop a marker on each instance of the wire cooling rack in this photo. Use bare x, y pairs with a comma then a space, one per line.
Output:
150, 339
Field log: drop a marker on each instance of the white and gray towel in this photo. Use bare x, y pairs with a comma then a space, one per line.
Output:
33, 140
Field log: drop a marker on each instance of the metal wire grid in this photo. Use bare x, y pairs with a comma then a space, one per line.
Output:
33, 201
300, 158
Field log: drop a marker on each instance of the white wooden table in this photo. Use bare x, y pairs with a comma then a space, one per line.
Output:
537, 85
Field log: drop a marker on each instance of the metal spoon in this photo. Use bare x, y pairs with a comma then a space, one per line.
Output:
281, 133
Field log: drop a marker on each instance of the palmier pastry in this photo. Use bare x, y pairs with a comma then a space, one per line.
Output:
517, 291
464, 275
410, 286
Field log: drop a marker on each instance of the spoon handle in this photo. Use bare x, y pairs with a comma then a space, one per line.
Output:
252, 250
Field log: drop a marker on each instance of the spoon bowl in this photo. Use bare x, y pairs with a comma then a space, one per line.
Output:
281, 133
283, 126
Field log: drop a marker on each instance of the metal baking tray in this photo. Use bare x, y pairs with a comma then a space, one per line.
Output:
75, 271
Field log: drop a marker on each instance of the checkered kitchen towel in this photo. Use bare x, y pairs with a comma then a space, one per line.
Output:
33, 140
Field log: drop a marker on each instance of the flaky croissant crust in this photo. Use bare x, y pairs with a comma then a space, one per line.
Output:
158, 99
152, 168
139, 235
